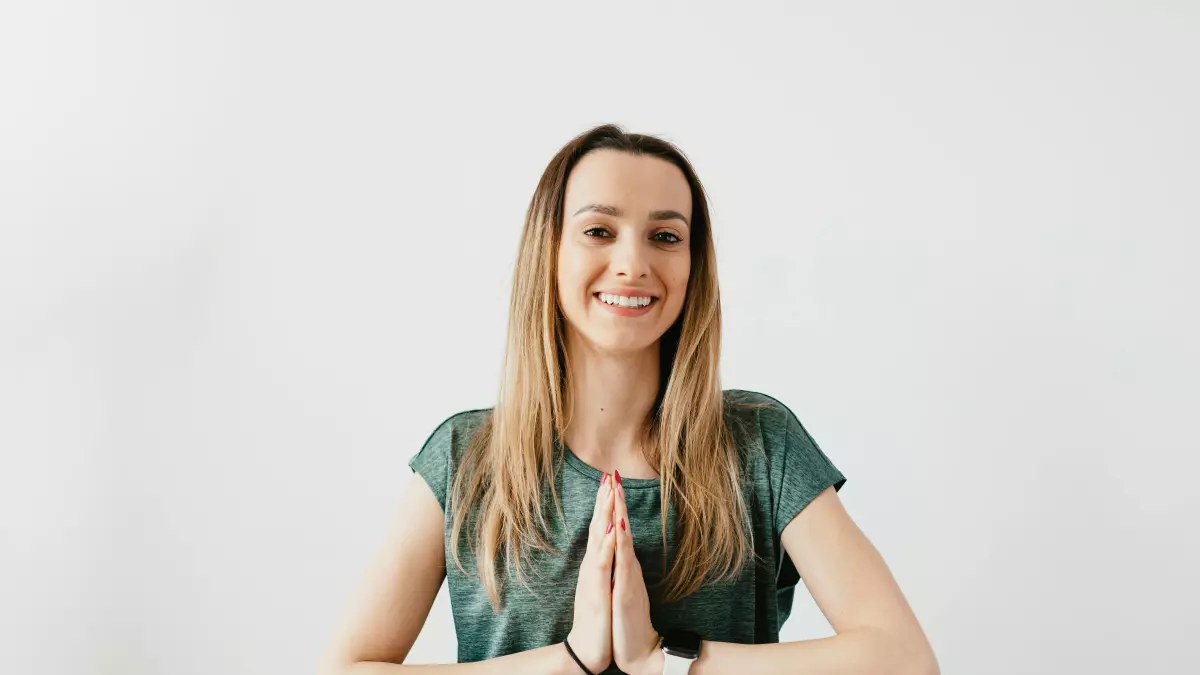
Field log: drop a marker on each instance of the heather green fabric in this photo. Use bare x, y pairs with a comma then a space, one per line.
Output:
784, 469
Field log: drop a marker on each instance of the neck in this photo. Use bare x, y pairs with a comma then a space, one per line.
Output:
610, 396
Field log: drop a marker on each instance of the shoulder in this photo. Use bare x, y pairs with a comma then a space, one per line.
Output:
745, 399
444, 447
454, 432
786, 467
757, 414
767, 428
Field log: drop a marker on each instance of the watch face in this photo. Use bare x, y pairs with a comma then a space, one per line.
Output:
682, 643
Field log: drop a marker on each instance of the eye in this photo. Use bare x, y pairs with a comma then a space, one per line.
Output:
594, 229
673, 239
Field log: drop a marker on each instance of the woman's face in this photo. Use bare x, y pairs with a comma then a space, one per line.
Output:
625, 239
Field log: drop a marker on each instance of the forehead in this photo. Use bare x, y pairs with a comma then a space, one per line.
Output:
636, 184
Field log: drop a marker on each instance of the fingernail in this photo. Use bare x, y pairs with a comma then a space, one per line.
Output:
622, 524
603, 479
617, 474
609, 527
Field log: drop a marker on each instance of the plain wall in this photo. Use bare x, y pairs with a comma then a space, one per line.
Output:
252, 253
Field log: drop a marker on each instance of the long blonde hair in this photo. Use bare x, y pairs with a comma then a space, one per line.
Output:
497, 498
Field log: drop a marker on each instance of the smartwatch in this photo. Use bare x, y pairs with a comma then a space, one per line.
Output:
680, 648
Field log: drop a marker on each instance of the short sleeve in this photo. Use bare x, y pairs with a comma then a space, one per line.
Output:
800, 470
433, 461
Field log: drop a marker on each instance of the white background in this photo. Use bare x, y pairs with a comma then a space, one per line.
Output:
252, 253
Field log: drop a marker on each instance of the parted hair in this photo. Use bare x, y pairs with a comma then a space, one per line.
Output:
498, 506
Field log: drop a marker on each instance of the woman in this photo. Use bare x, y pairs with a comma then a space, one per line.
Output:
616, 511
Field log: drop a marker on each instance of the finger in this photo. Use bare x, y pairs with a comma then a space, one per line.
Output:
618, 554
624, 554
621, 517
608, 546
602, 513
601, 491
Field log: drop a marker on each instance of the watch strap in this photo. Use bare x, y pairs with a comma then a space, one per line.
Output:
675, 665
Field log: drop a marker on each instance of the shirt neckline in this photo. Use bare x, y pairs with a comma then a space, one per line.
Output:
594, 474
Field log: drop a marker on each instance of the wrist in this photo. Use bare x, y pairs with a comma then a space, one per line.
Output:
566, 664
679, 651
649, 662
576, 664
654, 664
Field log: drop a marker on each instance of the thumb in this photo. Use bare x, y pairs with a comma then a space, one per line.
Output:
624, 551
607, 551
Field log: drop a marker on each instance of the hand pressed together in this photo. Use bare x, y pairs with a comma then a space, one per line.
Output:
591, 628
612, 607
635, 642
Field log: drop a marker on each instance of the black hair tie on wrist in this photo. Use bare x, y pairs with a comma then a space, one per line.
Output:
572, 653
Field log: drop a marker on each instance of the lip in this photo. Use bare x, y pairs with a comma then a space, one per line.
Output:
626, 311
629, 292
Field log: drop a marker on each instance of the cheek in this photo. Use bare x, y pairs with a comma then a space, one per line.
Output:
572, 275
566, 265
679, 278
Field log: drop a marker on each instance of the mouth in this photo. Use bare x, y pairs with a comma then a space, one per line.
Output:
624, 305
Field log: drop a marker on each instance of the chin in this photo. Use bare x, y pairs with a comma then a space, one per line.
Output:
623, 345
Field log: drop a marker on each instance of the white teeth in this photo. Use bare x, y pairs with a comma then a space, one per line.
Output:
623, 301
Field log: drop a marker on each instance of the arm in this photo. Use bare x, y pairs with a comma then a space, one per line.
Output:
551, 659
877, 632
396, 595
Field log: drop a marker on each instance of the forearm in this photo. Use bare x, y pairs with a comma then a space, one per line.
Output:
549, 660
852, 652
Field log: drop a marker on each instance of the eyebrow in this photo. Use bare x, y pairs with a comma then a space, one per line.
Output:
664, 214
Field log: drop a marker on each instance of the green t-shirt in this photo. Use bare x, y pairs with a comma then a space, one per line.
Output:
784, 470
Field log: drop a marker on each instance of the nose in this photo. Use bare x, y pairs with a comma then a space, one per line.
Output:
629, 259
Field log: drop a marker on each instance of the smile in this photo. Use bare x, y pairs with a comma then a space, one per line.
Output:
624, 305
624, 301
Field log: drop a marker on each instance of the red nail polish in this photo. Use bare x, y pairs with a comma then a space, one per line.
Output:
622, 524
603, 478
617, 474
609, 527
